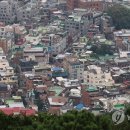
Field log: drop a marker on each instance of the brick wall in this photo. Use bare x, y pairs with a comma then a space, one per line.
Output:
97, 5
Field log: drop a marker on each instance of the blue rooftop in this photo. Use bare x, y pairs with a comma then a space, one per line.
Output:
56, 69
80, 106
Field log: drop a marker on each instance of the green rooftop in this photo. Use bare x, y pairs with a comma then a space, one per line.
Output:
108, 42
8, 101
91, 89
56, 89
39, 45
83, 39
106, 57
42, 29
119, 106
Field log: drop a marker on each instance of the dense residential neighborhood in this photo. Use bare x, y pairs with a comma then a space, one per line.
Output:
62, 55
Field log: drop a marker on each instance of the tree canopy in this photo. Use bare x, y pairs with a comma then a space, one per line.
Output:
120, 16
102, 49
72, 120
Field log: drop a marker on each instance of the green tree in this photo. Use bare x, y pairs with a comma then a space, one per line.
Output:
72, 120
105, 122
102, 49
120, 16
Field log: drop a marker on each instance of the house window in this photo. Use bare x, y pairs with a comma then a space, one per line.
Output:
4, 78
81, 66
77, 66
73, 67
103, 76
12, 78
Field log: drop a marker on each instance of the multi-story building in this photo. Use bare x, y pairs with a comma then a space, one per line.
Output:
2, 31
36, 53
45, 15
122, 39
56, 43
10, 30
31, 81
41, 69
74, 67
8, 9
7, 74
5, 90
27, 11
79, 20
106, 24
58, 72
4, 44
79, 47
10, 35
96, 76
26, 65
120, 75
86, 4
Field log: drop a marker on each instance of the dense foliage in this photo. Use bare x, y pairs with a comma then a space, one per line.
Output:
120, 16
102, 50
72, 120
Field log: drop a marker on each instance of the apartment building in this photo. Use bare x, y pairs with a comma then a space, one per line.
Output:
74, 67
41, 69
2, 31
58, 72
96, 76
27, 11
45, 15
122, 39
106, 24
9, 30
56, 43
33, 37
26, 65
8, 9
79, 20
10, 35
31, 81
4, 45
7, 74
71, 4
36, 53
98, 5
79, 47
